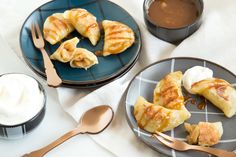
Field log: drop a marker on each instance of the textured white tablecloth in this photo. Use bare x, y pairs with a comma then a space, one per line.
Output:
213, 41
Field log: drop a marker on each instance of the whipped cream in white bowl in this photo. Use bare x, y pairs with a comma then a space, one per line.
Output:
195, 74
22, 105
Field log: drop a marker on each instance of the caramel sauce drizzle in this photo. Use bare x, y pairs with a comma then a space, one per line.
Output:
169, 94
81, 15
193, 101
165, 122
200, 106
115, 38
58, 25
219, 85
172, 98
117, 45
99, 53
220, 90
93, 25
149, 114
142, 116
47, 31
119, 31
115, 30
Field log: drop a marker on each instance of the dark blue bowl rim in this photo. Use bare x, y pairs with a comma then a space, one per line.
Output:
179, 28
39, 112
127, 114
116, 74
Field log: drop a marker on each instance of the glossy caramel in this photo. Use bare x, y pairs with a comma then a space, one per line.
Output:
173, 13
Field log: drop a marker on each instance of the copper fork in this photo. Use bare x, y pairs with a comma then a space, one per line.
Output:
53, 79
182, 146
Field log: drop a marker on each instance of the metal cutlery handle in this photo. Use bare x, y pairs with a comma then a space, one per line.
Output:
41, 152
53, 79
213, 151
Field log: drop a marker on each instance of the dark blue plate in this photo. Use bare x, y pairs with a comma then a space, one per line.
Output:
108, 68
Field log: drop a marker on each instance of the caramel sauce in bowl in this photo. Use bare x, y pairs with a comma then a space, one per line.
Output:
172, 20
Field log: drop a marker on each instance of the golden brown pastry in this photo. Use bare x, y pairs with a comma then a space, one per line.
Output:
83, 59
204, 133
168, 92
219, 92
65, 52
56, 27
157, 118
85, 23
118, 37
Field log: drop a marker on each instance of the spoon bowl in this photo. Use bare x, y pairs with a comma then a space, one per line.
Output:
96, 119
92, 121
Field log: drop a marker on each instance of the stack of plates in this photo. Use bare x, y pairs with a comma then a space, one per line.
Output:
108, 69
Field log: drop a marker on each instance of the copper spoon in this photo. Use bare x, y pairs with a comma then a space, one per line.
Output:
93, 121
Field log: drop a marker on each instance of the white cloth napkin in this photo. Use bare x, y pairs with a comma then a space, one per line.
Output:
214, 41
10, 62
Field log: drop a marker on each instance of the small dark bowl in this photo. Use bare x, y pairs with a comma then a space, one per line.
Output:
172, 35
20, 130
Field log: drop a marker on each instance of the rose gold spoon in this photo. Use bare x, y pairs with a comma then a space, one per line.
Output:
93, 121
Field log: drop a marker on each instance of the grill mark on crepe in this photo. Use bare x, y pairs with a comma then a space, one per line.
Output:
218, 84
47, 35
118, 49
165, 121
118, 31
81, 15
116, 38
93, 25
58, 23
150, 112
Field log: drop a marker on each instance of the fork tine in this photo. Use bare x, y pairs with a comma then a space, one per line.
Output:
163, 141
33, 31
165, 136
38, 31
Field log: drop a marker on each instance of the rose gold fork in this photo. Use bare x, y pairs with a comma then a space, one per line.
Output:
53, 79
182, 146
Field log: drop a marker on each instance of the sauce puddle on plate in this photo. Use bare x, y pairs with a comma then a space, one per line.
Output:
173, 13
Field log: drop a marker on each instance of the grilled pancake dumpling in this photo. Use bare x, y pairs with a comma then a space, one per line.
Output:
168, 92
157, 118
204, 133
85, 23
118, 37
56, 27
83, 59
65, 52
219, 92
